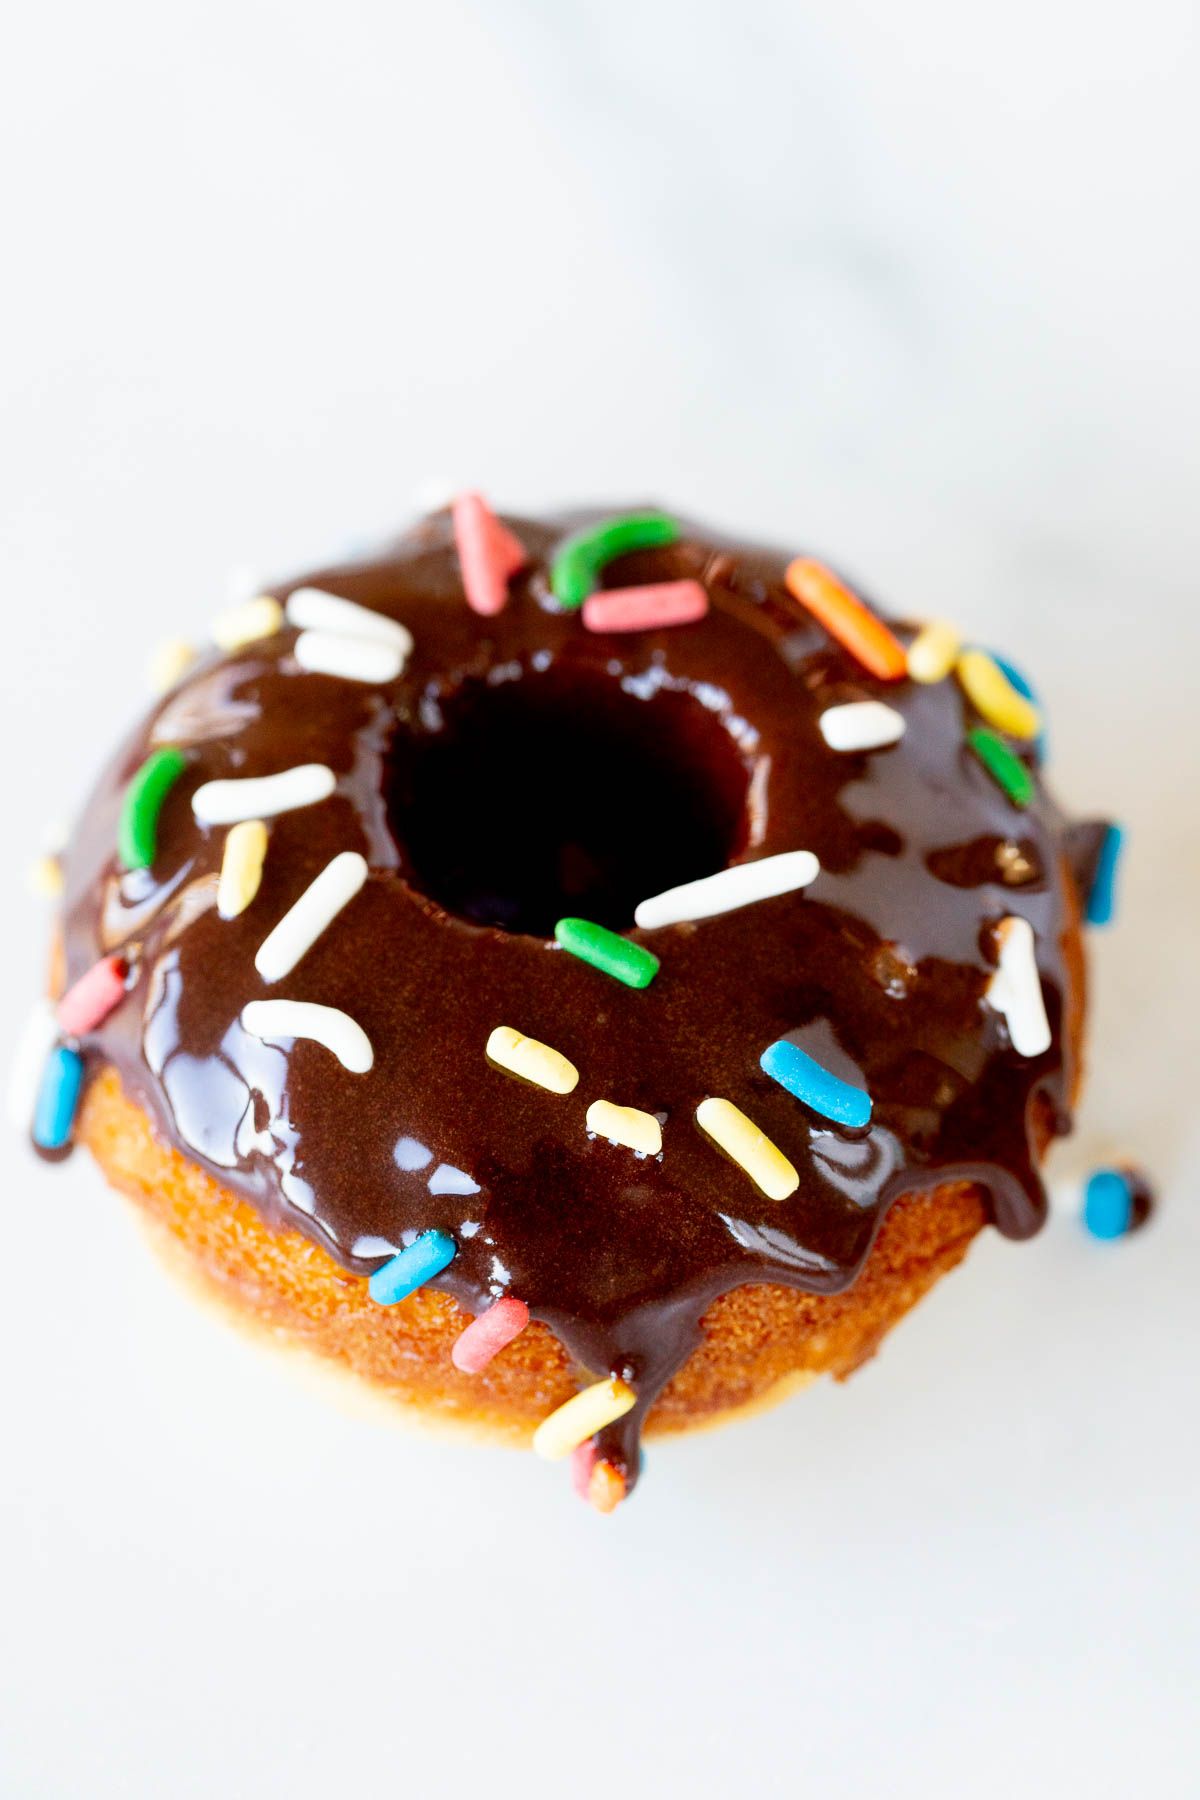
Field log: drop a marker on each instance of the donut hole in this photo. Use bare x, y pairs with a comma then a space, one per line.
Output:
562, 793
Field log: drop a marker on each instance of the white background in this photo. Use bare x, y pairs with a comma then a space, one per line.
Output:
914, 283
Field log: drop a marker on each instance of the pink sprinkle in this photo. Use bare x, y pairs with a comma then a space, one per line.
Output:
583, 1461
645, 608
93, 996
487, 1335
488, 553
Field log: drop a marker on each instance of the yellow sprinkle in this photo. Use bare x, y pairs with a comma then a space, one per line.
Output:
535, 1061
241, 867
932, 652
581, 1417
740, 1138
993, 695
168, 663
626, 1125
258, 618
46, 877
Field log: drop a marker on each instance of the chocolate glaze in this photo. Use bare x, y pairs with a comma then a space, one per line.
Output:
522, 768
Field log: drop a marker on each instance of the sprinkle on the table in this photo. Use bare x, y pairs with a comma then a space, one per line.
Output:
994, 697
489, 554
285, 1020
845, 617
817, 1087
1002, 764
649, 608
1015, 990
487, 1335
241, 867
89, 1001
312, 609
37, 1038
608, 951
348, 658
627, 1125
1102, 901
581, 1417
595, 1479
575, 570
259, 618
46, 877
58, 1098
728, 889
532, 1060
169, 663
137, 830
933, 652
1108, 1203
316, 909
411, 1268
861, 725
262, 796
753, 1151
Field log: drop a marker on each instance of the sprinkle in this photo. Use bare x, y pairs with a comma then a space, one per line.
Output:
418, 1263
728, 889
749, 1147
845, 618
1016, 988
576, 568
488, 553
1102, 900
351, 658
583, 1461
91, 999
626, 1125
137, 830
1002, 764
993, 695
1025, 687
608, 951
1108, 1203
245, 624
262, 796
169, 663
487, 1335
534, 1061
312, 609
861, 725
303, 923
595, 1479
58, 1098
933, 652
824, 1092
271, 1019
241, 867
581, 1417
38, 1037
646, 608
46, 877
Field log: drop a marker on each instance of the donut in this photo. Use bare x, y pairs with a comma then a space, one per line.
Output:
574, 978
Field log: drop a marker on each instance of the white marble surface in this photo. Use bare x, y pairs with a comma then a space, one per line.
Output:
918, 284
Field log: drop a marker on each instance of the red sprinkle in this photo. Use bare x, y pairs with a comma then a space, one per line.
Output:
488, 553
646, 608
583, 1461
93, 996
487, 1335
595, 1479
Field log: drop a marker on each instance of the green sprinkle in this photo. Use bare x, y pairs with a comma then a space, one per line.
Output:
137, 832
608, 952
576, 568
1005, 768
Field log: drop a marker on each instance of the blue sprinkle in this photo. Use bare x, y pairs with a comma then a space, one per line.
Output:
1041, 743
58, 1098
412, 1268
1102, 901
825, 1093
1108, 1203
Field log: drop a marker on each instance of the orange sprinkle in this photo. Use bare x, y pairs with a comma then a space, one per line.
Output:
606, 1486
846, 618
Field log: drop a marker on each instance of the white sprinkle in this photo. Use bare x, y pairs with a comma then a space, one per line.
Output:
312, 609
169, 663
1016, 988
354, 659
627, 1125
262, 796
326, 1025
37, 1039
861, 725
317, 907
730, 888
245, 624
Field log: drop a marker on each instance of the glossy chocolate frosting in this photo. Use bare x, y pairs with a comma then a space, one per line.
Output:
523, 768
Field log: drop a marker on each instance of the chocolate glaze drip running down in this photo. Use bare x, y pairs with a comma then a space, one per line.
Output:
522, 769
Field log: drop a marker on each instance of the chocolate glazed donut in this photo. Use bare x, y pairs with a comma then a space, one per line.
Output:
520, 768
